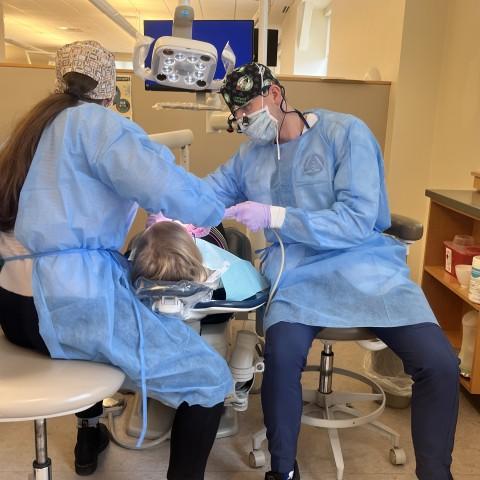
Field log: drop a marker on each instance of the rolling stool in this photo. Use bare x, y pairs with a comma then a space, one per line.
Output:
35, 387
320, 406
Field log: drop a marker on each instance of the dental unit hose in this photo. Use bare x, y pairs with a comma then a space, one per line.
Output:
274, 288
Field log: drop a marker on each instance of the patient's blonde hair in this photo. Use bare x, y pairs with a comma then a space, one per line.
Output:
166, 251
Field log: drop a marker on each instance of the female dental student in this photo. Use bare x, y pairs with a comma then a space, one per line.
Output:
72, 175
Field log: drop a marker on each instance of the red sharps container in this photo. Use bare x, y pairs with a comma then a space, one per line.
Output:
460, 251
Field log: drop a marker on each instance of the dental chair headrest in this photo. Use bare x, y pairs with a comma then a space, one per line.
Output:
238, 244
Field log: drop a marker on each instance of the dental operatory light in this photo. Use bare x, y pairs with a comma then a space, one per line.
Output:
183, 63
179, 61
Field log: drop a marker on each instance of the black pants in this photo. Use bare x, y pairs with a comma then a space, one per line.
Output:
427, 357
194, 427
193, 433
19, 322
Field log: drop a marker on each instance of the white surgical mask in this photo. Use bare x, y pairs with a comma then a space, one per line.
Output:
262, 127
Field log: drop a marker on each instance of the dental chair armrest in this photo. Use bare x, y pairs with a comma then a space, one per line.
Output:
246, 305
405, 228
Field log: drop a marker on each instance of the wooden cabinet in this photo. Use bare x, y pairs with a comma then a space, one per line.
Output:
452, 212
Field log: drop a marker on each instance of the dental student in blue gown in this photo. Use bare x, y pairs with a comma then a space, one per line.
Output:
72, 176
317, 178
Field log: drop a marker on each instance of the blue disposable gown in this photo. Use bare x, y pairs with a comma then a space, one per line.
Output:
90, 171
340, 270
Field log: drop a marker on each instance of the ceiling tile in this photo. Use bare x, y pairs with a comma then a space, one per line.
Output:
37, 22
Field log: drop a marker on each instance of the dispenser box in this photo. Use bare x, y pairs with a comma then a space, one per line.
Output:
460, 251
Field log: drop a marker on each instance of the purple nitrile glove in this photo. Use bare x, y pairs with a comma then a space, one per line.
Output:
197, 232
155, 218
193, 230
255, 216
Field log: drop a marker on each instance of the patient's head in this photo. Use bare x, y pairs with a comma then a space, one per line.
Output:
165, 251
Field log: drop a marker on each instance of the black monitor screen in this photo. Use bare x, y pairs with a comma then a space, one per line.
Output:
272, 47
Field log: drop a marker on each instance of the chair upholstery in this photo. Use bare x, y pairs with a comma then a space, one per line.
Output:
345, 334
238, 243
35, 387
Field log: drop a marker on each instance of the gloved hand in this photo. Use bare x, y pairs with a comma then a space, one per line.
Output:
255, 216
155, 218
193, 230
197, 232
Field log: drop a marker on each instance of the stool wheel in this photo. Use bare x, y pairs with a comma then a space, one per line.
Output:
397, 456
256, 458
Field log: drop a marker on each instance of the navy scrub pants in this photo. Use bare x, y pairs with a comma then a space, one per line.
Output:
427, 356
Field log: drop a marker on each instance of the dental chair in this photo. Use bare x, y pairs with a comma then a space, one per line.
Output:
35, 387
211, 320
335, 410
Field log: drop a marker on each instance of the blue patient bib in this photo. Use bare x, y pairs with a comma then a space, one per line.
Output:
241, 280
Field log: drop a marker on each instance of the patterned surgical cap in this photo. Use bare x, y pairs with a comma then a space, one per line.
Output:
89, 58
245, 83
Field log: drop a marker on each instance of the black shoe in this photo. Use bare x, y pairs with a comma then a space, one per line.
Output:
278, 476
90, 442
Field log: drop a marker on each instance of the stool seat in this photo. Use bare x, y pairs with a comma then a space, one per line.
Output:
34, 386
345, 334
336, 410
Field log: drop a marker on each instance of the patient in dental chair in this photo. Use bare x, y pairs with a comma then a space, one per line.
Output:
165, 251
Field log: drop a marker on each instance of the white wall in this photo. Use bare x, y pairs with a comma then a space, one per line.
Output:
410, 137
303, 35
288, 40
365, 34
433, 137
2, 35
14, 54
456, 144
311, 55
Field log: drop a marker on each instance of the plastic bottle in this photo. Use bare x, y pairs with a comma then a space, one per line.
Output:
474, 289
469, 325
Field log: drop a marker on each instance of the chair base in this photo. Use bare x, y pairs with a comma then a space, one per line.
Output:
160, 420
321, 410
228, 423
